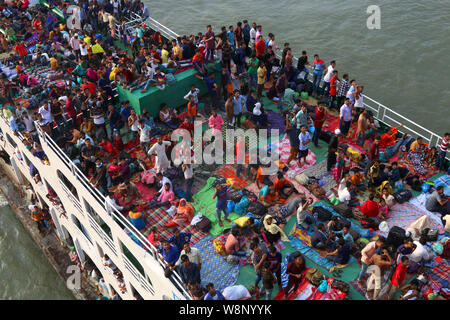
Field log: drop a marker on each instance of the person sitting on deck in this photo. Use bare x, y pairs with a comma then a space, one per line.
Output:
268, 195
283, 186
183, 216
272, 233
371, 208
136, 217
128, 192
168, 117
233, 246
188, 271
320, 239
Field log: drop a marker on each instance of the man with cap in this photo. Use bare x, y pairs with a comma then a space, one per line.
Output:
332, 148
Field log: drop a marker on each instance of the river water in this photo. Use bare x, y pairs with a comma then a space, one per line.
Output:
25, 272
404, 65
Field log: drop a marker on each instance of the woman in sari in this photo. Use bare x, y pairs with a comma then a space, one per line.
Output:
184, 215
339, 167
416, 154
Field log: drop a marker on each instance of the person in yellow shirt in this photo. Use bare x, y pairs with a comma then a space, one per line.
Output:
262, 75
54, 63
164, 54
112, 75
177, 52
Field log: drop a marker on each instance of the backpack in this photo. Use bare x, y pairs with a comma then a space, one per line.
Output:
402, 196
340, 285
430, 235
371, 223
322, 214
257, 209
234, 196
314, 276
396, 236
241, 207
344, 210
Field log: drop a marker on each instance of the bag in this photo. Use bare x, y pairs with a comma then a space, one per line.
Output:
344, 210
241, 207
340, 285
219, 247
362, 242
204, 225
304, 94
170, 78
354, 234
430, 235
302, 179
396, 236
446, 252
325, 136
250, 195
308, 87
234, 196
257, 209
230, 206
322, 214
403, 196
314, 276
317, 190
167, 272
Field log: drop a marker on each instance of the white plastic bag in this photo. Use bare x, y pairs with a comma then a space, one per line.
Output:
238, 292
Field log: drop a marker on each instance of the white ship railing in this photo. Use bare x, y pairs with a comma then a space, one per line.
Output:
116, 214
381, 112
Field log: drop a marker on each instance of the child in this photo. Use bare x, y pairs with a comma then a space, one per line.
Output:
384, 209
410, 291
268, 279
399, 276
431, 156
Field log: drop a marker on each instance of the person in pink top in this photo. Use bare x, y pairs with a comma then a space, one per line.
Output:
216, 122
166, 195
366, 257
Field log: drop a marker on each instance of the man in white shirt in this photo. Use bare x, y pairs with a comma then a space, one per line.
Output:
144, 135
327, 79
346, 117
253, 35
193, 255
193, 92
344, 193
46, 113
162, 163
110, 204
162, 182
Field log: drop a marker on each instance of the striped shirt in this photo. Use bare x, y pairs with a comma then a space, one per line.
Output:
343, 88
444, 145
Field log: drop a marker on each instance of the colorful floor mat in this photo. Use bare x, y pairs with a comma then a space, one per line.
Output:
419, 202
277, 122
41, 73
440, 275
214, 267
445, 182
229, 172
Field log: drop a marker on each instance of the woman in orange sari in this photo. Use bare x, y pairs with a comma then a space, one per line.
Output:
388, 138
184, 215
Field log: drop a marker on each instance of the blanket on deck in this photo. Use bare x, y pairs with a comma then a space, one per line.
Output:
214, 267
402, 215
159, 217
41, 73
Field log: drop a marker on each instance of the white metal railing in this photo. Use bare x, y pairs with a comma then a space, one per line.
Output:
381, 112
116, 214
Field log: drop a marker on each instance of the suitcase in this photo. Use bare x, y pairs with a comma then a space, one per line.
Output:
204, 225
344, 210
234, 196
402, 196
396, 236
322, 214
371, 223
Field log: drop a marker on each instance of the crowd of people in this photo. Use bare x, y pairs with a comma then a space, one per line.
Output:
80, 111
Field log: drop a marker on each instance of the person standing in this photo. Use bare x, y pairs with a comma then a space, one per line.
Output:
321, 115
252, 71
343, 88
327, 79
238, 108
366, 257
188, 172
440, 161
346, 117
262, 77
162, 163
334, 84
319, 68
295, 271
246, 32
302, 63
292, 132
304, 139
253, 35
221, 205
210, 40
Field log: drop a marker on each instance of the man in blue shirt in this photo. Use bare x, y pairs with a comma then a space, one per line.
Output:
346, 236
238, 107
213, 294
179, 239
188, 271
170, 253
12, 122
212, 89
304, 139
342, 253
320, 239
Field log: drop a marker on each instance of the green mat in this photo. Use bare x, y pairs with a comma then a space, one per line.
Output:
204, 203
